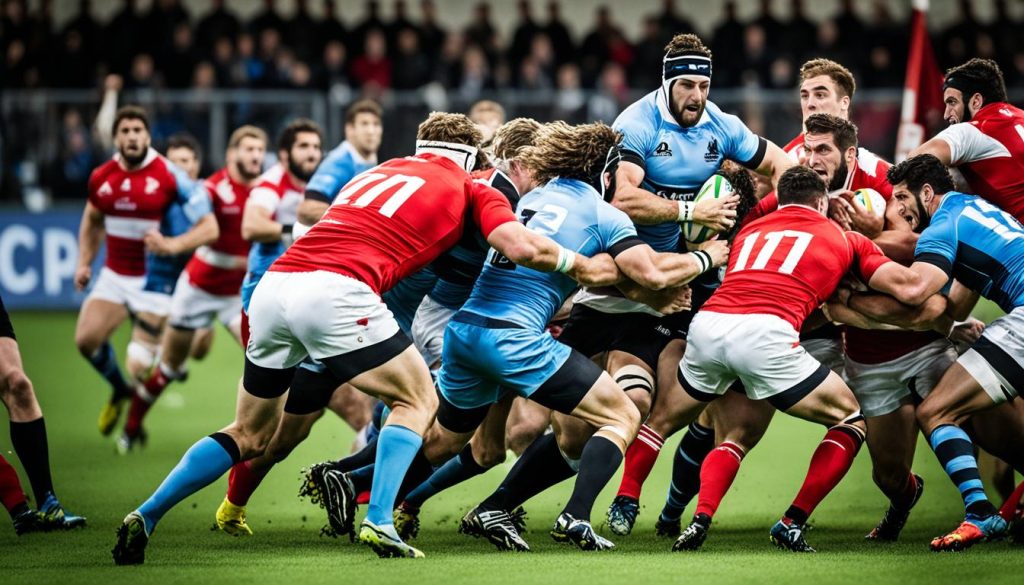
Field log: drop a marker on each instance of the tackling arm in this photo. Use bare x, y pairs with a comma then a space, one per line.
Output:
532, 250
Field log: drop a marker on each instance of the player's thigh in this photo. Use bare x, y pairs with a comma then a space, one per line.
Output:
291, 431
451, 430
488, 442
956, 397
891, 441
668, 413
1000, 431
10, 358
740, 420
97, 321
606, 406
829, 403
403, 379
571, 433
256, 420
634, 376
177, 344
526, 421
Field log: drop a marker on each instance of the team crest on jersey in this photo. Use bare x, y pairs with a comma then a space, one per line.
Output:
151, 185
105, 189
663, 150
126, 185
712, 154
225, 192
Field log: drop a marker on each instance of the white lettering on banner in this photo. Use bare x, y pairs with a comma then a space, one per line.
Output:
14, 237
60, 257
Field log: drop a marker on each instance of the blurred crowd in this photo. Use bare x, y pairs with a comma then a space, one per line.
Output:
317, 47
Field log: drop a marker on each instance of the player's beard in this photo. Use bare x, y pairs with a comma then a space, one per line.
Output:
839, 179
245, 175
682, 110
300, 173
133, 160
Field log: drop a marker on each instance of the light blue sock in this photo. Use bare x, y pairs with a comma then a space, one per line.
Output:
396, 448
201, 465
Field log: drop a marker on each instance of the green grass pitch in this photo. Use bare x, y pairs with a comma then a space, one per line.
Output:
92, 480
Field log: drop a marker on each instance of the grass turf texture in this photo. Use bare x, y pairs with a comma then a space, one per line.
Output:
92, 480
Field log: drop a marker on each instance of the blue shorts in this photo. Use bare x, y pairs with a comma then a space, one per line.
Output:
162, 272
480, 363
405, 297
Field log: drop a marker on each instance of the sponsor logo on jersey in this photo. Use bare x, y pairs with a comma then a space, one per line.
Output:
225, 192
663, 150
712, 154
105, 189
151, 185
662, 330
676, 195
125, 204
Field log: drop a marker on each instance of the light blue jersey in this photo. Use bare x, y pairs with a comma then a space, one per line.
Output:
341, 164
978, 244
193, 203
405, 297
573, 214
497, 342
677, 160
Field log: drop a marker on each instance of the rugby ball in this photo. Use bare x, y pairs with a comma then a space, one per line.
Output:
871, 200
715, 187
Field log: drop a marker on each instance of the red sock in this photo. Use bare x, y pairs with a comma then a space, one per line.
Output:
242, 482
640, 459
716, 475
11, 493
829, 464
1009, 509
143, 400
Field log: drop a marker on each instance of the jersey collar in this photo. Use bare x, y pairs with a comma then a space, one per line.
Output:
151, 155
346, 145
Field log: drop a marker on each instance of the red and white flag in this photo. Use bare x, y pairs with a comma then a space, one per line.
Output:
922, 90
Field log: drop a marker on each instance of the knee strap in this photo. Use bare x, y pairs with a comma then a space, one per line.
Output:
634, 377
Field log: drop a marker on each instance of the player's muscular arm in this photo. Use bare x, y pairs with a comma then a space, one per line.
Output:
656, 271
90, 236
775, 162
898, 244
311, 210
205, 231
666, 301
961, 301
642, 206
872, 310
532, 250
258, 225
911, 285
937, 147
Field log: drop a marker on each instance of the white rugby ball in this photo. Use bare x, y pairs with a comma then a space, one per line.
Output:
871, 200
715, 187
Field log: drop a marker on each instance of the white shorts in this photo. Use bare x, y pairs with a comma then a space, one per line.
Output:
320, 314
428, 329
129, 291
881, 388
194, 308
762, 351
828, 351
996, 361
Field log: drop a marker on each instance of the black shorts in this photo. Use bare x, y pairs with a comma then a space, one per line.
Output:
311, 389
592, 332
678, 324
6, 327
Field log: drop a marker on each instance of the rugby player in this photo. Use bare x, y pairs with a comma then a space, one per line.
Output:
129, 196
982, 246
207, 289
28, 437
389, 223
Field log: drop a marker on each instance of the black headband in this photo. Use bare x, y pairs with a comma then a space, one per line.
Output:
691, 63
967, 86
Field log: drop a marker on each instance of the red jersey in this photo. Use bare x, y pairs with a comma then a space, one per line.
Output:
787, 263
989, 151
394, 219
220, 267
134, 202
276, 192
868, 172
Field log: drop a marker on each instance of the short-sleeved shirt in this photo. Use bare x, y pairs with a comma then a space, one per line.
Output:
978, 244
573, 214
789, 262
219, 268
989, 152
337, 169
276, 192
394, 219
136, 201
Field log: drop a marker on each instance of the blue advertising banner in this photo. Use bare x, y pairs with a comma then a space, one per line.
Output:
38, 255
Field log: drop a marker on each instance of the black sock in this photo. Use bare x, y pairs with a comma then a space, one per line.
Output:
419, 471
599, 462
29, 440
693, 448
361, 458
539, 467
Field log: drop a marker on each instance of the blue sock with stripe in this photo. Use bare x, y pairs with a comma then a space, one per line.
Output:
105, 362
955, 452
454, 471
693, 448
396, 448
